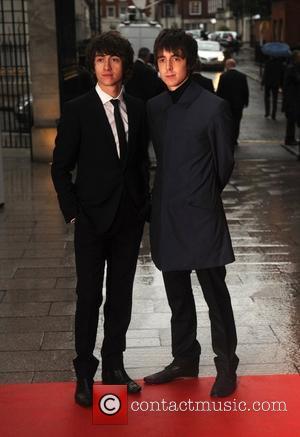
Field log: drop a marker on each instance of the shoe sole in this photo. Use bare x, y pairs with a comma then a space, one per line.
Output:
223, 395
128, 391
83, 404
190, 375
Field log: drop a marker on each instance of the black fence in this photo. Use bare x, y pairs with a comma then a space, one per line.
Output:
15, 96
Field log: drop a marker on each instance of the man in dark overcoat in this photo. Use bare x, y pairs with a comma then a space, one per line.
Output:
291, 99
272, 80
102, 134
192, 137
233, 87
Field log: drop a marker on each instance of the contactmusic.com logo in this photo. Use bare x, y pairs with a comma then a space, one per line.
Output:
110, 405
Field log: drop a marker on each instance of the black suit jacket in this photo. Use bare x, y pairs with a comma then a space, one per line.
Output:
144, 82
85, 141
233, 87
205, 82
193, 144
273, 73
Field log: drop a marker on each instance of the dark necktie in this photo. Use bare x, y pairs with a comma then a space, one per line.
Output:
120, 128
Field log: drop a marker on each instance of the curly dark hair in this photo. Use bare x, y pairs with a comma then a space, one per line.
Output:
178, 42
111, 43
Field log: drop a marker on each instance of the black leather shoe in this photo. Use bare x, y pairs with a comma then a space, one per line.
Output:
224, 385
84, 392
173, 371
120, 377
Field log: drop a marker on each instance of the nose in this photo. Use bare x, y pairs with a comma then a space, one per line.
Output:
107, 64
169, 64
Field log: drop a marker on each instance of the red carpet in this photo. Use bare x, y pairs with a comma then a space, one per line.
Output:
44, 410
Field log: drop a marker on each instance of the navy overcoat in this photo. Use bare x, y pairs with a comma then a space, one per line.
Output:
193, 144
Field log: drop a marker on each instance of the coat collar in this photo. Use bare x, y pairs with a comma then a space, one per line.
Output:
191, 93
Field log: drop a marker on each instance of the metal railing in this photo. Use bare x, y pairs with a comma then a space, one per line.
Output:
15, 96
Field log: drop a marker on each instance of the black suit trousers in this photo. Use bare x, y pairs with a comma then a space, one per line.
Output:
185, 346
118, 249
269, 89
237, 114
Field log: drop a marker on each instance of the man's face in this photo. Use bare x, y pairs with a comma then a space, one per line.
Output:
108, 70
172, 68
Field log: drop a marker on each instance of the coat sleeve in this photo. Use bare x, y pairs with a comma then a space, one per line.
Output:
65, 156
221, 139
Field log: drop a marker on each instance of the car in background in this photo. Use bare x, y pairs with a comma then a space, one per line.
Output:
228, 39
197, 33
210, 54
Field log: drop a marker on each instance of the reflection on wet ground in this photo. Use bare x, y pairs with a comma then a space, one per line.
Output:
37, 278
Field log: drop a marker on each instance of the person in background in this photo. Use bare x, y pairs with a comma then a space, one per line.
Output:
144, 82
291, 99
205, 82
272, 80
233, 87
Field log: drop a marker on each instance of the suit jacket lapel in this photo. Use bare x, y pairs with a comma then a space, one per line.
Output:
104, 125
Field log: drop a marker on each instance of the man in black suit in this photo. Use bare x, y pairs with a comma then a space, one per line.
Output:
191, 132
233, 87
205, 82
102, 133
144, 82
272, 80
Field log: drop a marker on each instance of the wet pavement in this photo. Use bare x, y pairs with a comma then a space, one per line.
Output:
37, 274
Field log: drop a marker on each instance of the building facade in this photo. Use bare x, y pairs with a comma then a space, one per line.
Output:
285, 22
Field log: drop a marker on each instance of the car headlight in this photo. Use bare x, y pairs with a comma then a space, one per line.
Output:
221, 57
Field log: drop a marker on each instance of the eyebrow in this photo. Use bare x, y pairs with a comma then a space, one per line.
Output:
178, 54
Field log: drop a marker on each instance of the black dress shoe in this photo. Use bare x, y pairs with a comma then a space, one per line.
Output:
224, 385
84, 392
120, 377
173, 371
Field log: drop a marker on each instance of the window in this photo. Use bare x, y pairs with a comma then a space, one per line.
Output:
111, 11
214, 5
168, 10
122, 10
195, 7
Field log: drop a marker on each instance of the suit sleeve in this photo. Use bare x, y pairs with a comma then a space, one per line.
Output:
246, 100
65, 156
220, 89
211, 86
150, 125
145, 151
221, 138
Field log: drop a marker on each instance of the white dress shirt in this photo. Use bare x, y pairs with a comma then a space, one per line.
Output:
109, 110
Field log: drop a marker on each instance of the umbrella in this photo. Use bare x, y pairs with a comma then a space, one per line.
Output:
276, 49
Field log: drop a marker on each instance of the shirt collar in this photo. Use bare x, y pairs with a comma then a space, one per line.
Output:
106, 97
